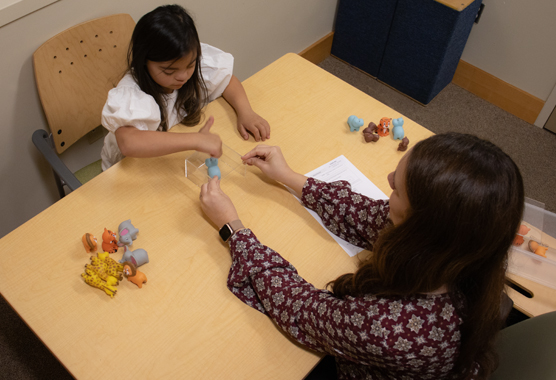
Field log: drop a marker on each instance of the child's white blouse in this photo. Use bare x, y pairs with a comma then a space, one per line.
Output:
127, 104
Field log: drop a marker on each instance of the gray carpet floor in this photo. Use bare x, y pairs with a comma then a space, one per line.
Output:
22, 354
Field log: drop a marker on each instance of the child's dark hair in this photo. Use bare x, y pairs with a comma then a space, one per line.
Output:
466, 202
165, 34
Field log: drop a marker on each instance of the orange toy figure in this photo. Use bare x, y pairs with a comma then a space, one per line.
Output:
134, 275
518, 240
109, 241
383, 125
537, 248
89, 242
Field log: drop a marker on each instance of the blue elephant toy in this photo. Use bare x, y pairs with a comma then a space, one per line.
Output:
213, 169
397, 129
354, 123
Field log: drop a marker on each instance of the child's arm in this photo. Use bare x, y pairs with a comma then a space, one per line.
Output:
143, 144
247, 119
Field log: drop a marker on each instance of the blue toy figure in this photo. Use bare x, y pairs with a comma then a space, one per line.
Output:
354, 123
213, 169
397, 129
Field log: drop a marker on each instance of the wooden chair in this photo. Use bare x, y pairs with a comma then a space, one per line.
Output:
74, 71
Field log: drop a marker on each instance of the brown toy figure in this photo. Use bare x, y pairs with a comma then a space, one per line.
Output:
403, 144
369, 133
89, 242
134, 275
383, 126
109, 241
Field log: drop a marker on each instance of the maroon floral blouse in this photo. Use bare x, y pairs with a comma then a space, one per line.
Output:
371, 337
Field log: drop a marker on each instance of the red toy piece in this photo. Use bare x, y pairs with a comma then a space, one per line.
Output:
109, 241
383, 126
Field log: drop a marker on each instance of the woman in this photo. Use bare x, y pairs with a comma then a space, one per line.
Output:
426, 303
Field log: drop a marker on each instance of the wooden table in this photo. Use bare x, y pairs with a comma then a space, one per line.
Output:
184, 323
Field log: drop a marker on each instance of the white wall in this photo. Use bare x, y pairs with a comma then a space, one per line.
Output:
515, 40
256, 32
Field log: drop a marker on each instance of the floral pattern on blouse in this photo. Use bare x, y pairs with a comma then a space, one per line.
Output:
414, 337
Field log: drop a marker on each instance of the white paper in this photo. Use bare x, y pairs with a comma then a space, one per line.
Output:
341, 169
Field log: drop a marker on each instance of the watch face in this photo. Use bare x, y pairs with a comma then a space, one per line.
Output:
225, 232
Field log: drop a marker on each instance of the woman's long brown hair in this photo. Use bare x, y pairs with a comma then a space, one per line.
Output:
466, 202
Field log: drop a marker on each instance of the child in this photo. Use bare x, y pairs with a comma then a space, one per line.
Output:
171, 76
426, 304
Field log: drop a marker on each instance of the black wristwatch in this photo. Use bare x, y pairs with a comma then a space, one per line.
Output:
229, 228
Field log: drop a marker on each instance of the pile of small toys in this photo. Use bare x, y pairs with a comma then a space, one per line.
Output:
105, 273
374, 132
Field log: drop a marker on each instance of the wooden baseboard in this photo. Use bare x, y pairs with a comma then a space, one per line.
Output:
494, 90
486, 86
320, 50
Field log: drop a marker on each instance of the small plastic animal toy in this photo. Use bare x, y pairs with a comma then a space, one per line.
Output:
403, 144
354, 123
127, 233
137, 257
94, 280
369, 133
397, 128
518, 240
537, 248
105, 267
134, 275
109, 241
523, 230
111, 266
89, 242
213, 169
383, 126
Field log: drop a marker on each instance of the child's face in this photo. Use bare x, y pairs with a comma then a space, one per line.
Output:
172, 75
399, 201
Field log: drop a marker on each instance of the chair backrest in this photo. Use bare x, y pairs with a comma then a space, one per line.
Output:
526, 350
74, 71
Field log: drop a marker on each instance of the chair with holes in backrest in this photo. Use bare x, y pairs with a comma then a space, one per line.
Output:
74, 71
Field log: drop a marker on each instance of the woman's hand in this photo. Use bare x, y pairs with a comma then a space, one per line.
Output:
271, 161
209, 143
252, 122
216, 205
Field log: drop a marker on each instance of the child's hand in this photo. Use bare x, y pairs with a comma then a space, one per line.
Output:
216, 205
252, 122
210, 143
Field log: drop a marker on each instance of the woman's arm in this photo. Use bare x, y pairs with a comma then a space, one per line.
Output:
143, 144
247, 119
349, 215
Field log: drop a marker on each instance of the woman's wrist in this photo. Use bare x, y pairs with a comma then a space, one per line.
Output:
229, 229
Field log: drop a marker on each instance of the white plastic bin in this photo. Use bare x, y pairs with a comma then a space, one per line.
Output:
527, 264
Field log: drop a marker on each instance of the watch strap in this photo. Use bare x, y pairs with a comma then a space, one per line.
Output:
228, 229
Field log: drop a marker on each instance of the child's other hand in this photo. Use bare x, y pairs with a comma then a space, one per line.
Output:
251, 122
216, 205
209, 143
